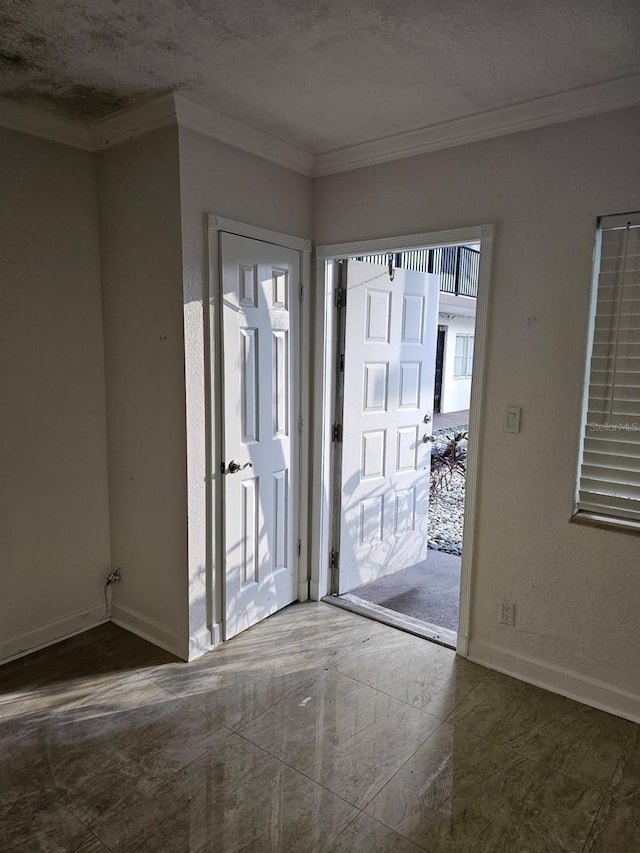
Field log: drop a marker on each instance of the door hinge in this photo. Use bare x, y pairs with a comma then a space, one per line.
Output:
301, 294
336, 434
335, 556
299, 547
300, 424
341, 297
341, 362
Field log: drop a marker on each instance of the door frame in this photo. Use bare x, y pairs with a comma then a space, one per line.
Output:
325, 354
442, 330
214, 385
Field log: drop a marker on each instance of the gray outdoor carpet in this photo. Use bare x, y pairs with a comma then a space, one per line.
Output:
428, 591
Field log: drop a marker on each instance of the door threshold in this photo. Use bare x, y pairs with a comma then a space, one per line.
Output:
426, 630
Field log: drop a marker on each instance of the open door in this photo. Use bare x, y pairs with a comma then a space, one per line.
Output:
260, 283
390, 349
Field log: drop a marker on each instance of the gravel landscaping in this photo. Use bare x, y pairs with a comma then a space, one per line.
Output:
446, 512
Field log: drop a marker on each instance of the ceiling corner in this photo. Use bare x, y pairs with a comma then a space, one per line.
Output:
196, 116
134, 122
45, 125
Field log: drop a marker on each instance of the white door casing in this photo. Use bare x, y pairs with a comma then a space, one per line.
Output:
260, 283
390, 348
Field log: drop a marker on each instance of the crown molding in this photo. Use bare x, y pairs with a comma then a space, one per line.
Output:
553, 109
89, 136
132, 123
45, 125
167, 110
176, 109
182, 111
203, 119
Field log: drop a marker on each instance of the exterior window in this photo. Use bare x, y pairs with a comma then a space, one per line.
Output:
609, 470
464, 357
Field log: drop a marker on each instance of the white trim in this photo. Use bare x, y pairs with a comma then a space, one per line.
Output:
315, 593
476, 406
255, 232
557, 679
323, 384
202, 642
149, 629
132, 123
203, 119
51, 632
178, 109
462, 645
405, 242
214, 581
619, 220
324, 335
606, 522
304, 412
385, 616
216, 634
165, 111
540, 112
44, 125
303, 587
215, 559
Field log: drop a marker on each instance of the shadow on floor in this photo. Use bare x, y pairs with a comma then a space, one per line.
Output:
105, 650
429, 591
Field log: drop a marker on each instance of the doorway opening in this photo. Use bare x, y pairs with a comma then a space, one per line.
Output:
404, 335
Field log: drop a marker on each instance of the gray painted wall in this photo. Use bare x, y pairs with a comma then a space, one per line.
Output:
141, 251
215, 178
576, 589
54, 522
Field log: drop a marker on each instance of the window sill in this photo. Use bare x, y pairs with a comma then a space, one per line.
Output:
604, 522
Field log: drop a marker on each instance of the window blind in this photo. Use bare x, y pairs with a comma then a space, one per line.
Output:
609, 477
464, 356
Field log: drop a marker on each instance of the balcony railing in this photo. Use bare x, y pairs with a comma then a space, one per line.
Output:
457, 266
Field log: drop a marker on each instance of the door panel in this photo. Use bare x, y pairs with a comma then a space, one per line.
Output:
390, 348
260, 284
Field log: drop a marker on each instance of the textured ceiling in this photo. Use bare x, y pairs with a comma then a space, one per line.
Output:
319, 74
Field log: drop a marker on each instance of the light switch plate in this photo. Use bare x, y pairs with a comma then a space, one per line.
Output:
511, 421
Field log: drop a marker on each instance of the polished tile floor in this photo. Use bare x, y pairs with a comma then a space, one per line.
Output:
317, 730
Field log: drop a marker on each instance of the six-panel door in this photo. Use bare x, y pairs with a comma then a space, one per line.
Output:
260, 284
391, 332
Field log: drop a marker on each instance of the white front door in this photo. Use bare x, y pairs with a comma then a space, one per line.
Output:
390, 349
260, 283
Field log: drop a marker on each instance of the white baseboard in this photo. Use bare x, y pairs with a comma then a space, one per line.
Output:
204, 641
216, 634
462, 646
149, 629
51, 632
557, 679
314, 590
303, 590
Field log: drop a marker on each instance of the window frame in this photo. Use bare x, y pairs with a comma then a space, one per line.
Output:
467, 356
608, 518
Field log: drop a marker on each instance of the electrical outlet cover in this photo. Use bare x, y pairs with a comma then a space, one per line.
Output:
511, 420
507, 614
